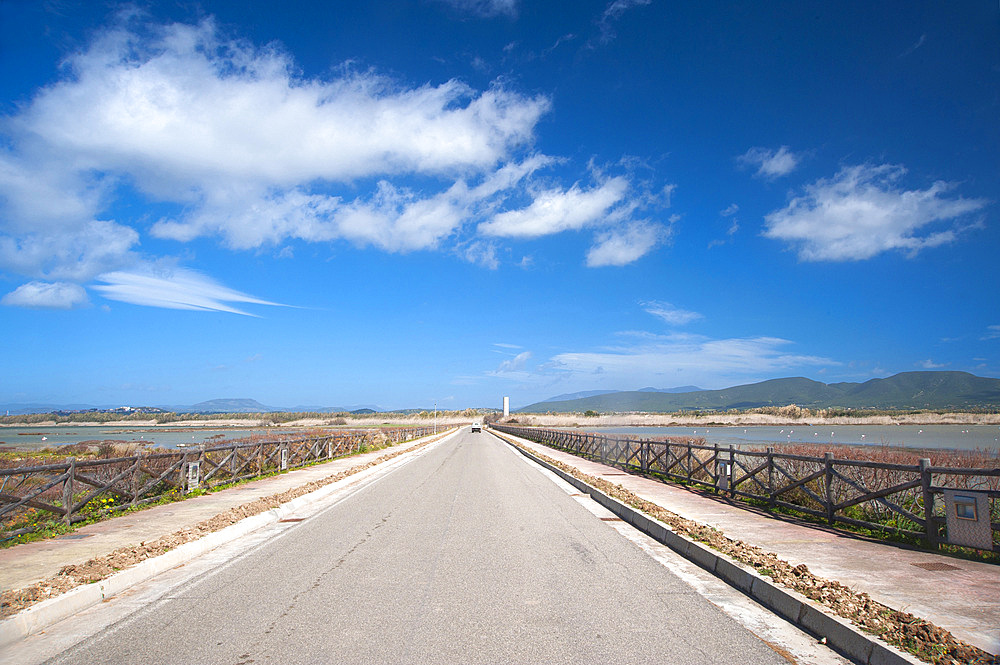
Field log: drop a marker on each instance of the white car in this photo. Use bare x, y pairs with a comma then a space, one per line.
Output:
476, 427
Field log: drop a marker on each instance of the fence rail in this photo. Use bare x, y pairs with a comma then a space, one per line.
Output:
914, 500
74, 490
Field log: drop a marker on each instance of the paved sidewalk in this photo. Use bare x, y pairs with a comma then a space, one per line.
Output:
964, 597
23, 565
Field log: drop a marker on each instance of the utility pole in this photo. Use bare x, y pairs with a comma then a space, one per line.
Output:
435, 417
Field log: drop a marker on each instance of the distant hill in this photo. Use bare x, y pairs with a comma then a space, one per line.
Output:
679, 389
594, 393
230, 406
908, 390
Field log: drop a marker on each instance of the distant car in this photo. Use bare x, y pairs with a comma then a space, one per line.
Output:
476, 427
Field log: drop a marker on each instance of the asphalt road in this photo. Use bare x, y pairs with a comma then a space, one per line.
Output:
467, 554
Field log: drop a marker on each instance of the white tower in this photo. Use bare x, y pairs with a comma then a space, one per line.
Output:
506, 407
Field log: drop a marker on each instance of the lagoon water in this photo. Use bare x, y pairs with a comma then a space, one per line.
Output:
951, 437
36, 438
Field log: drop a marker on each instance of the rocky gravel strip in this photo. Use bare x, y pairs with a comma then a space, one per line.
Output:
901, 629
99, 568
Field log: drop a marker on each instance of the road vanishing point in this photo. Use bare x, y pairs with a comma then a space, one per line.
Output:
461, 552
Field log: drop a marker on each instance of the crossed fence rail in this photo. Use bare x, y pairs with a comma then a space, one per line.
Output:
74, 489
905, 499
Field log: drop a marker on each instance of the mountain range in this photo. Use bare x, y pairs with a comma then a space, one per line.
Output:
908, 390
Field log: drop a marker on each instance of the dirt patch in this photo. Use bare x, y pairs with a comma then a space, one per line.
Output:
99, 568
923, 639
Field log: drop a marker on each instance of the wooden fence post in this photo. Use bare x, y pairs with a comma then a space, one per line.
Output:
732, 472
828, 475
688, 463
715, 467
930, 526
135, 485
770, 477
67, 497
644, 455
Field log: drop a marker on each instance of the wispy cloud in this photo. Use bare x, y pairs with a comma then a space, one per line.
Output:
670, 314
515, 364
623, 245
770, 163
862, 212
46, 295
689, 359
174, 289
992, 332
481, 253
612, 14
556, 210
504, 345
484, 8
930, 364
920, 42
734, 226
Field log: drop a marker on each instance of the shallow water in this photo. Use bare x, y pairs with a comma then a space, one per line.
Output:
34, 438
946, 437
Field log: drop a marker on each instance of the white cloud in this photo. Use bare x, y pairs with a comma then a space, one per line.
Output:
247, 150
930, 364
730, 210
231, 142
771, 163
485, 8
77, 252
178, 288
621, 246
557, 210
992, 332
58, 295
862, 212
504, 345
670, 314
188, 106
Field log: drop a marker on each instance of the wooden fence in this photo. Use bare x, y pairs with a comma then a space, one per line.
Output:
899, 498
75, 489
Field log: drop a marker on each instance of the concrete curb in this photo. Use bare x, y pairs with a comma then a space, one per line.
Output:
42, 615
840, 634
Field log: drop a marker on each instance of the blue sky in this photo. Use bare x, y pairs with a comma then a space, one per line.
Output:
409, 202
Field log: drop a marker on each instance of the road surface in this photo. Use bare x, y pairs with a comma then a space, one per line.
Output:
466, 554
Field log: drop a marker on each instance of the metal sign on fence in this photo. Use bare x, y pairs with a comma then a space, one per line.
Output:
724, 471
968, 519
284, 458
193, 476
